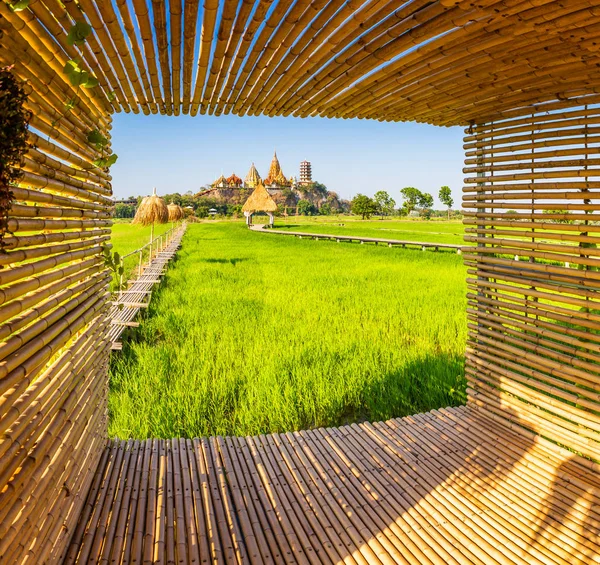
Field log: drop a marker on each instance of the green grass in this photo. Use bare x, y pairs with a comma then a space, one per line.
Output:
127, 237
254, 333
434, 231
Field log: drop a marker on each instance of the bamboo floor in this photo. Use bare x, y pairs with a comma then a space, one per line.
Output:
448, 486
126, 307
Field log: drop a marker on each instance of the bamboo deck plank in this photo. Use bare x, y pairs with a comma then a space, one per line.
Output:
449, 486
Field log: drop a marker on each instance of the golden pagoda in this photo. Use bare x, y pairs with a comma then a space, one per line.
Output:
252, 178
276, 178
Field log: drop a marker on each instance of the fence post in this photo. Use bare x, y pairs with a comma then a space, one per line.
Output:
121, 264
140, 263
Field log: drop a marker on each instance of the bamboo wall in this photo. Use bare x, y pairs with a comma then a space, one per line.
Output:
53, 294
533, 210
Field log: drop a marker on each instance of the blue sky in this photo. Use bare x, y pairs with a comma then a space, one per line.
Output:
177, 154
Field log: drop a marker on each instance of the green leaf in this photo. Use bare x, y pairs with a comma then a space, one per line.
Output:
70, 104
116, 257
78, 33
77, 78
90, 82
107, 161
19, 6
71, 66
97, 138
111, 96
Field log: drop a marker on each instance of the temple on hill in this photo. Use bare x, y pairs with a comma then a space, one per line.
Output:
276, 179
252, 178
232, 182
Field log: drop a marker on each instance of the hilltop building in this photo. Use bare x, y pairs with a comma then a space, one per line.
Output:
232, 182
221, 182
252, 178
276, 179
285, 191
275, 182
305, 173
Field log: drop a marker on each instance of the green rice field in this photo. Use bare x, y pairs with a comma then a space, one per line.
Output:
253, 333
433, 231
128, 237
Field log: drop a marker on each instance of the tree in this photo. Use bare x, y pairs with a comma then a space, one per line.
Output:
385, 203
425, 200
445, 196
414, 198
325, 209
410, 195
306, 208
363, 206
124, 211
202, 211
319, 189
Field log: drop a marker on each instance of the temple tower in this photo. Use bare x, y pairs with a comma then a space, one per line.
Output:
305, 173
252, 178
276, 178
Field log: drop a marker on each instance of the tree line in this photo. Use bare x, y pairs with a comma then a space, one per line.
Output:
413, 200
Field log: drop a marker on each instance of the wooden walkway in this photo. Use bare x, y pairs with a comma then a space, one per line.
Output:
129, 302
423, 245
446, 487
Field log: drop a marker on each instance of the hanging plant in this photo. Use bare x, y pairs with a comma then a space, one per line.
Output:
106, 162
19, 5
96, 138
78, 76
78, 33
14, 121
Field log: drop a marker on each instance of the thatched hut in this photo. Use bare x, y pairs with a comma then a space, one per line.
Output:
259, 201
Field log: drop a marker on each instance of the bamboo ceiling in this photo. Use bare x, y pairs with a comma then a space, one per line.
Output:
445, 62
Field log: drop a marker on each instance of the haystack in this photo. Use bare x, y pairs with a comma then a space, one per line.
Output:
152, 210
176, 213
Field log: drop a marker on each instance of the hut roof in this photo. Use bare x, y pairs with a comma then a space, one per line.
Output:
260, 201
